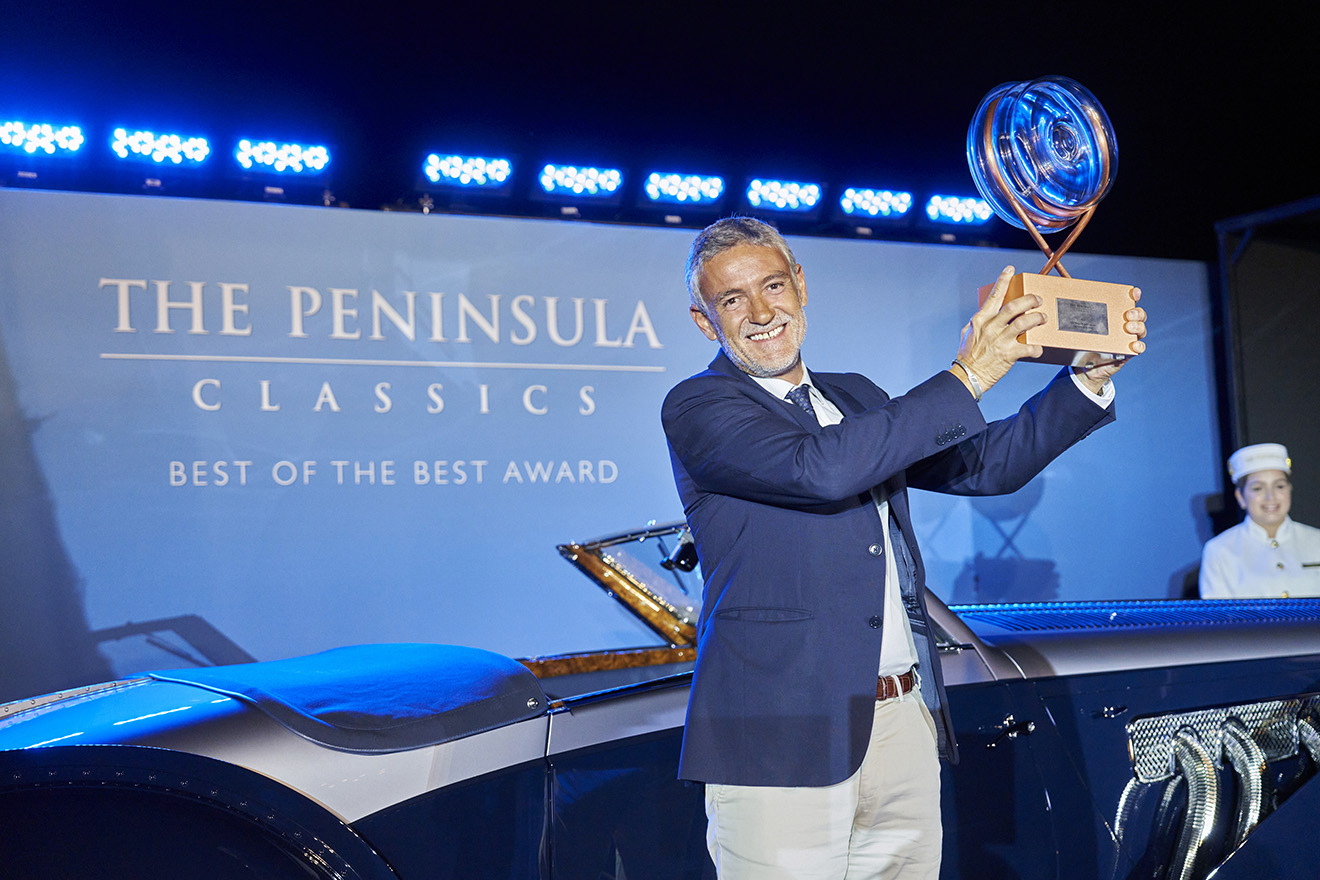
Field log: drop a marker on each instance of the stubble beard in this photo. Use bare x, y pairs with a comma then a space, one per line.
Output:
769, 369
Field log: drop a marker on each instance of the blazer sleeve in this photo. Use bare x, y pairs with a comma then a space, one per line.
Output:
734, 439
1007, 455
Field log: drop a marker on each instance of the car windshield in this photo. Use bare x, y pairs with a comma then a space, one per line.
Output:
653, 571
646, 560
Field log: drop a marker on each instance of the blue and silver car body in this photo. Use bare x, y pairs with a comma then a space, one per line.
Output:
1103, 739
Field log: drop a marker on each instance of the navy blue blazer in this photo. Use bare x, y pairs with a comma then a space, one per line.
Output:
791, 550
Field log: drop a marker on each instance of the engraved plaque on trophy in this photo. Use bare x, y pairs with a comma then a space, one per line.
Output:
1043, 154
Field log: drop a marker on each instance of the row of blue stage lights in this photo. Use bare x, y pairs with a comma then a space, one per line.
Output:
43, 139
676, 188
559, 181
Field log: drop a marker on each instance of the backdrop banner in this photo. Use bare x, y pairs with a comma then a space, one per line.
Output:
237, 430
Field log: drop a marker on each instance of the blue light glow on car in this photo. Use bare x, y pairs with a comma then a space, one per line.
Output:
783, 195
958, 210
159, 148
281, 158
40, 138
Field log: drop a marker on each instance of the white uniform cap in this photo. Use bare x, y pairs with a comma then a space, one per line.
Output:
1258, 457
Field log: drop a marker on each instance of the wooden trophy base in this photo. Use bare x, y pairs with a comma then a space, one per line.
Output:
1084, 326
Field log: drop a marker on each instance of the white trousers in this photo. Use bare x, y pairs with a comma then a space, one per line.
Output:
881, 822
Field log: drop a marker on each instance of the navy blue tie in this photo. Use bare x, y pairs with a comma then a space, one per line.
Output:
801, 395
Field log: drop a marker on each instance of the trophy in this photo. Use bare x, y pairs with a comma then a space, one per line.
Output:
1043, 154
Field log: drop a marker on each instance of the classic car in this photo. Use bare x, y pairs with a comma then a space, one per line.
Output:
1126, 739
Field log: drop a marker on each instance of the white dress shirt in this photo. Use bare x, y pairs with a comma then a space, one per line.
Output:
1246, 563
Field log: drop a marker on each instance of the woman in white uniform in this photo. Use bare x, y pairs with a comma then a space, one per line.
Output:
1267, 555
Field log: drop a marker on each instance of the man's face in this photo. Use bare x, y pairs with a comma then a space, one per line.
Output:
753, 308
1266, 496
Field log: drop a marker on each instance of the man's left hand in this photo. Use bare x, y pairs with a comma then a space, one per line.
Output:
1135, 323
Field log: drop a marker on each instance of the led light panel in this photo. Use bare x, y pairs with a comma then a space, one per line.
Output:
875, 203
41, 138
148, 146
580, 182
468, 172
683, 189
783, 195
268, 156
959, 210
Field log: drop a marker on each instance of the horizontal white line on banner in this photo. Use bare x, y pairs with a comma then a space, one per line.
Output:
357, 362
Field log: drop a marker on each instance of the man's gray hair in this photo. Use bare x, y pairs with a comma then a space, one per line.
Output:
730, 232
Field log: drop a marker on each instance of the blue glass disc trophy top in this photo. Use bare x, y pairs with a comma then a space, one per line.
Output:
1043, 155
1042, 151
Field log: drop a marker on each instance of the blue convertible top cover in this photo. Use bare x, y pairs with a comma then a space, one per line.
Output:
381, 698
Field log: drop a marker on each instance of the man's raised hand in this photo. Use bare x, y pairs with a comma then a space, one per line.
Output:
990, 340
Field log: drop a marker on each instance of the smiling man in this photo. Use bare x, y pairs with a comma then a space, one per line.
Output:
1267, 555
817, 708
754, 310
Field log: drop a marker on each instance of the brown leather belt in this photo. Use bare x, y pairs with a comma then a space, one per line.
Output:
886, 690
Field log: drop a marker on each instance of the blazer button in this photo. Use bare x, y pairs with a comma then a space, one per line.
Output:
875, 622
876, 549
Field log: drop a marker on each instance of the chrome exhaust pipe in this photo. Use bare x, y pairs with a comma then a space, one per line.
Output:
1310, 737
1248, 762
1195, 765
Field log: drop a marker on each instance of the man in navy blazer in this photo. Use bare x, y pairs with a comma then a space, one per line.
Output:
817, 707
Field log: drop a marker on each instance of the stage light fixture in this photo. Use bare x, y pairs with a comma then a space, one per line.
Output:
269, 157
157, 162
580, 182
160, 149
577, 187
40, 139
472, 173
689, 190
282, 171
860, 203
784, 196
671, 191
40, 154
958, 210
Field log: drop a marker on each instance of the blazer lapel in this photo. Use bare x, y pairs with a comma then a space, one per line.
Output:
722, 364
895, 488
847, 404
803, 418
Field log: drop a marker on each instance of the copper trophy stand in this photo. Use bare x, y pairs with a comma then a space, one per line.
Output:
1043, 154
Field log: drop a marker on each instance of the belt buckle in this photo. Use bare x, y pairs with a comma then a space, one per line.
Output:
884, 686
